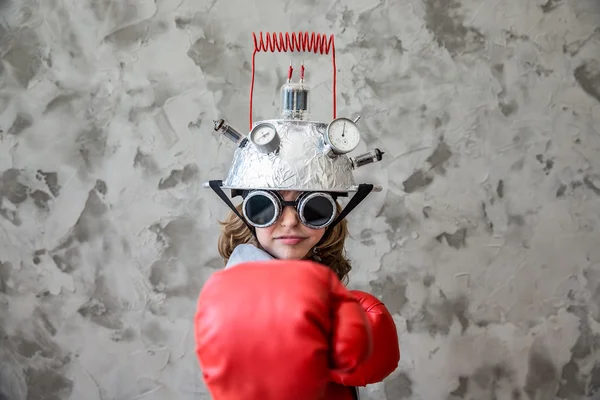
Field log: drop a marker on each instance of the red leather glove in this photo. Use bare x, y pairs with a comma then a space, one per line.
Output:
385, 356
272, 330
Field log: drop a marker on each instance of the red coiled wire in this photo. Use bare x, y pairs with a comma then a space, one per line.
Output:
301, 41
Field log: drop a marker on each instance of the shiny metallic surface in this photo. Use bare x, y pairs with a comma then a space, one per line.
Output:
300, 164
331, 131
265, 148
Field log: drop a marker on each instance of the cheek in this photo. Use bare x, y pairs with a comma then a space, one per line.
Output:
314, 234
264, 235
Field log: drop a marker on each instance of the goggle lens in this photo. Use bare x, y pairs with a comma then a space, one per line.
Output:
317, 211
260, 210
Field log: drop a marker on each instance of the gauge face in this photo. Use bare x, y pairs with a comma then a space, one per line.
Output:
265, 137
342, 135
263, 134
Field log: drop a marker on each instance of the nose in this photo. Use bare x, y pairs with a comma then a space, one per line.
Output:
289, 217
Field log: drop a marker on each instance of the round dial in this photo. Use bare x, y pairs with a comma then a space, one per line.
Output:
265, 137
342, 135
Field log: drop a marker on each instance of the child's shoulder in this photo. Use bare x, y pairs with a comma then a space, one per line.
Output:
247, 252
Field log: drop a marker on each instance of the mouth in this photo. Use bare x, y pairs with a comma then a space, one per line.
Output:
290, 239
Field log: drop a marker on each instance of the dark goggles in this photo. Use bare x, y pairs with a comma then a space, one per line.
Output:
262, 208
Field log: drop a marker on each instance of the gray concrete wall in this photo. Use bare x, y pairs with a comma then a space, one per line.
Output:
485, 243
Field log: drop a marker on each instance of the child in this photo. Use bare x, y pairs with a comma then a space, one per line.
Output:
287, 238
290, 239
277, 323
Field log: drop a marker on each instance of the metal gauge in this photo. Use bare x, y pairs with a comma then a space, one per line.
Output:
342, 135
265, 138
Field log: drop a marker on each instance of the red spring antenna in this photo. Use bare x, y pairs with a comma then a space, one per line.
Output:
301, 42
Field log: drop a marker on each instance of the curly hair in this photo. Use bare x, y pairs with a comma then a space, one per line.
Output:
331, 253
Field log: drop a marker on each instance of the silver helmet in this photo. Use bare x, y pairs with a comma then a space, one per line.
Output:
296, 153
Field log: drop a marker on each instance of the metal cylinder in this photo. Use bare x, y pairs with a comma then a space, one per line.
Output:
294, 100
367, 158
227, 131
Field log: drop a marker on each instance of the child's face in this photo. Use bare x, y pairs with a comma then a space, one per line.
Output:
288, 238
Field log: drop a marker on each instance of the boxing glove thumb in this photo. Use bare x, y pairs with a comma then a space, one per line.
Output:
385, 354
351, 334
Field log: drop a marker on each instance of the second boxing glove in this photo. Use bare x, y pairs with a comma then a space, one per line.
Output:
272, 330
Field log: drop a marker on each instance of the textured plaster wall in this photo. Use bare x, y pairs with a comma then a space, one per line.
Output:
485, 243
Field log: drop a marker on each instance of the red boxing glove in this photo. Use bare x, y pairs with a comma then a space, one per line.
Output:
273, 330
385, 356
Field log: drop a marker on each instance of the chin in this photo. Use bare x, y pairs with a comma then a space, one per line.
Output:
291, 254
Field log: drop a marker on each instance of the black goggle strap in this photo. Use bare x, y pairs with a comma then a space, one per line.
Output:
216, 187
363, 191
